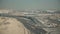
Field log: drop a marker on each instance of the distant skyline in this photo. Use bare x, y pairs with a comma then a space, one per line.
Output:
32, 4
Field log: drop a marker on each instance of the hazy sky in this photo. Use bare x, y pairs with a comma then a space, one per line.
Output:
33, 4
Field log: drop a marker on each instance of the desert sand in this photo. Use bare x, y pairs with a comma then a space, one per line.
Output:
12, 26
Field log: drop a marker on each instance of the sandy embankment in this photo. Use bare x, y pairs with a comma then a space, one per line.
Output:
12, 26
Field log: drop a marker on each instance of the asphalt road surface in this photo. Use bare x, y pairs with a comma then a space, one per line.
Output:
30, 23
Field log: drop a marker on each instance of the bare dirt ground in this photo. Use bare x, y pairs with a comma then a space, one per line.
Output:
11, 26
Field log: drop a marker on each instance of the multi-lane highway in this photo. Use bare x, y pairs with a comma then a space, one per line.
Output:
30, 23
33, 24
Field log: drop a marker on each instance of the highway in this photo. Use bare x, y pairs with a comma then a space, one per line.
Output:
30, 23
33, 24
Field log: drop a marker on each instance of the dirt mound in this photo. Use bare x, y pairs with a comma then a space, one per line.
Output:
11, 26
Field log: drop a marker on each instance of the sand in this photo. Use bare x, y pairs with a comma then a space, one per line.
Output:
12, 26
